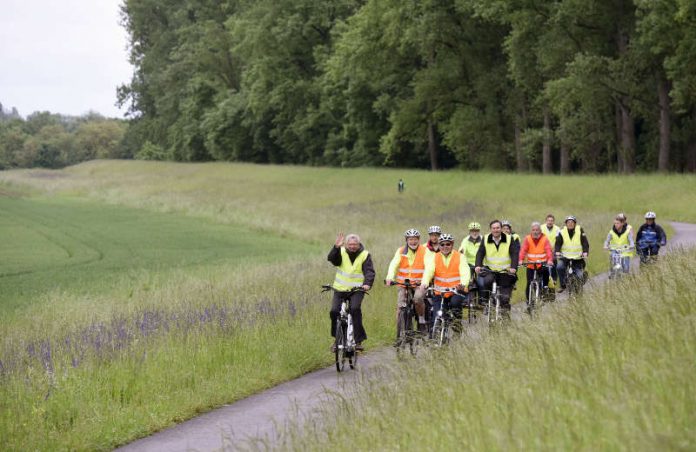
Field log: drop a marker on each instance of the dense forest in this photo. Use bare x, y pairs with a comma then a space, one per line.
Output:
525, 85
51, 140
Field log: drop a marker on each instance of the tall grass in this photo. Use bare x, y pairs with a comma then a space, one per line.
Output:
204, 288
611, 371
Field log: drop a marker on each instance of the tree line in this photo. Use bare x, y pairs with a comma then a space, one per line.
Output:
50, 140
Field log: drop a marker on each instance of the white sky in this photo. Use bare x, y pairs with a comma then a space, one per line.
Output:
64, 56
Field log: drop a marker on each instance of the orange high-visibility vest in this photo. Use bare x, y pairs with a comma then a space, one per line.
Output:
536, 252
412, 272
447, 277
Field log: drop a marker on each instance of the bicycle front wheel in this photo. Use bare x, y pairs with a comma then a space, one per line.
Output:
533, 296
341, 346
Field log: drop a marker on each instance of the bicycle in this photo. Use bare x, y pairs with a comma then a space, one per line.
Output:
575, 277
616, 257
645, 251
345, 342
491, 310
441, 332
538, 293
405, 333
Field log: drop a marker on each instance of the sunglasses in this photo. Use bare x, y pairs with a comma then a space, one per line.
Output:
446, 244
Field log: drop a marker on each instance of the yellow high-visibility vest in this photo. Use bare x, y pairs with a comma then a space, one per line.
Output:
349, 274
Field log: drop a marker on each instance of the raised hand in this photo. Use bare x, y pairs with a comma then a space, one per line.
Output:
339, 239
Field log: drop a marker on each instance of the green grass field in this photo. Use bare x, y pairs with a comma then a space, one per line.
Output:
611, 371
136, 294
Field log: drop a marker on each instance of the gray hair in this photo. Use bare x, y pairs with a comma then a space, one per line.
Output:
536, 223
350, 237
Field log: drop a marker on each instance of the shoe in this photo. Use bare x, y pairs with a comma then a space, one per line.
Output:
359, 347
333, 348
561, 289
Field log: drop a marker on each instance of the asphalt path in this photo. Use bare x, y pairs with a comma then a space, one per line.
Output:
259, 420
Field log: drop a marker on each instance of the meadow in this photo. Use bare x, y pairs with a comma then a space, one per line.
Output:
611, 371
137, 294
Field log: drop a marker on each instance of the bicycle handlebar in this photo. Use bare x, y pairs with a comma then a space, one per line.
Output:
327, 287
542, 264
407, 285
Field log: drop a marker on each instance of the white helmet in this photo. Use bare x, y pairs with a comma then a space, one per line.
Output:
650, 215
446, 238
434, 230
571, 218
411, 233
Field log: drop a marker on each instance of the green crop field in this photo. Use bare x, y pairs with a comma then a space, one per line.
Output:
137, 294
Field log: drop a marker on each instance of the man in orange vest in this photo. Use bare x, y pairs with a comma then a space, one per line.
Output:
449, 270
409, 264
536, 248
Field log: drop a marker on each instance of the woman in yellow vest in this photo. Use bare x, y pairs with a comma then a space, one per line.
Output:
571, 244
354, 269
449, 270
620, 237
408, 263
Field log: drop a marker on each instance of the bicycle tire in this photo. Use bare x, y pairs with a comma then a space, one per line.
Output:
533, 297
402, 327
341, 345
438, 331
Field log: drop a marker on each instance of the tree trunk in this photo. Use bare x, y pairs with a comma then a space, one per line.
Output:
565, 159
628, 138
663, 95
546, 163
619, 154
691, 158
522, 164
432, 145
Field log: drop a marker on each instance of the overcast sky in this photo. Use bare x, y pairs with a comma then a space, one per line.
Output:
64, 56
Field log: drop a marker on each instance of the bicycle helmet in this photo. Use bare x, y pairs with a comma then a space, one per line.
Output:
571, 218
446, 238
434, 230
411, 233
474, 226
650, 215
505, 223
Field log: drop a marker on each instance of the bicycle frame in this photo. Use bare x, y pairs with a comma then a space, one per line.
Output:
444, 318
345, 345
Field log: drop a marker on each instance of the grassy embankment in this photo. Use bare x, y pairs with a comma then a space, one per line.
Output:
108, 297
612, 371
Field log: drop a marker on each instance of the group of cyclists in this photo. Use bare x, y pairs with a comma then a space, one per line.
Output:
479, 261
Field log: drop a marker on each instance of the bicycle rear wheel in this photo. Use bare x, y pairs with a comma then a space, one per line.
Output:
341, 345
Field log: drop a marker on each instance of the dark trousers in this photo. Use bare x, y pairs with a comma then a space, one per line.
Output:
554, 273
355, 303
578, 269
455, 303
543, 271
506, 281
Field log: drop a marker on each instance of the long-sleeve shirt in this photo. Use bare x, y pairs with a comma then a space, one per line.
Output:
368, 268
514, 250
396, 260
631, 243
571, 232
650, 232
464, 271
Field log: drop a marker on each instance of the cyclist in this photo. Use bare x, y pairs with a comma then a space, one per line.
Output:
650, 237
620, 235
409, 263
433, 238
471, 243
536, 248
499, 254
448, 270
551, 231
507, 229
571, 243
354, 269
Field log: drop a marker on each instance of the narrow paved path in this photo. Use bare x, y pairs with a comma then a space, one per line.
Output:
263, 416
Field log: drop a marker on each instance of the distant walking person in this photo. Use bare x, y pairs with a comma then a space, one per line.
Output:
354, 269
401, 186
